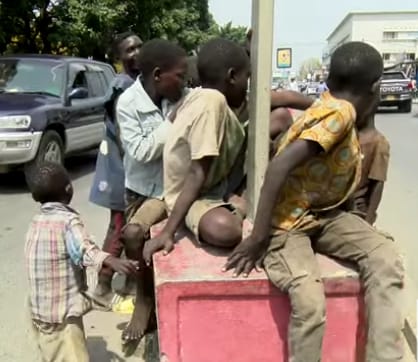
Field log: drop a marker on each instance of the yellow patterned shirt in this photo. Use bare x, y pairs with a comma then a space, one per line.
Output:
327, 180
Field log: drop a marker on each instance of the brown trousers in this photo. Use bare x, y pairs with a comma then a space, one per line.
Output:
291, 266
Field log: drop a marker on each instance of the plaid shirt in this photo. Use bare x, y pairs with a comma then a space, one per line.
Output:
57, 251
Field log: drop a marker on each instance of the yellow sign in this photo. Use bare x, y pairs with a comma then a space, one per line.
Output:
284, 58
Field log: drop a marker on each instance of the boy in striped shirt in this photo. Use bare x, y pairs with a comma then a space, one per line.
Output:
57, 252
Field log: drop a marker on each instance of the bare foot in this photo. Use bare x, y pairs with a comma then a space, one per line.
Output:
137, 327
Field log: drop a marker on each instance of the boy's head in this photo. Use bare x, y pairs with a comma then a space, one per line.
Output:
51, 183
165, 65
356, 69
224, 65
126, 47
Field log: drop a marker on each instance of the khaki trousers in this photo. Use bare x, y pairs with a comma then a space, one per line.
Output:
291, 266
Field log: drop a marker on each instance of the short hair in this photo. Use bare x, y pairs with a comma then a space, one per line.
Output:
217, 56
159, 53
355, 66
117, 41
49, 182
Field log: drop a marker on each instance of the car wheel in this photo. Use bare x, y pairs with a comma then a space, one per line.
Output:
51, 149
406, 107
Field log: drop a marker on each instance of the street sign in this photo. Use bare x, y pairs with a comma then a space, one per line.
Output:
284, 58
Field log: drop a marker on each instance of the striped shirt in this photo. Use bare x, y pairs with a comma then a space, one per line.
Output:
57, 251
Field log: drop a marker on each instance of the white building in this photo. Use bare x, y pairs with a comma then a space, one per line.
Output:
394, 34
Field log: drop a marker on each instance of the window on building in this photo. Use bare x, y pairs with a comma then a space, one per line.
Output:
389, 35
386, 56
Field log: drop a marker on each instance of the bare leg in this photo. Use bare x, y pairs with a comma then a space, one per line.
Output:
134, 238
103, 293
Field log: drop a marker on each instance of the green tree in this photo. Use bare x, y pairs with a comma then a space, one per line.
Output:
308, 67
234, 33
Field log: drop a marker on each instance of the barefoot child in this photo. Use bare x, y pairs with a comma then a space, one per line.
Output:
142, 114
57, 251
108, 184
375, 151
316, 168
205, 141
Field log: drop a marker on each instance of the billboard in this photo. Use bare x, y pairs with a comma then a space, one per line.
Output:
284, 58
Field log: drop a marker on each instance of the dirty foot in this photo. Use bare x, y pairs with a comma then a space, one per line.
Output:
137, 327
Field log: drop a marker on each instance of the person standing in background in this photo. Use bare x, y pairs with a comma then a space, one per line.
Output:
108, 184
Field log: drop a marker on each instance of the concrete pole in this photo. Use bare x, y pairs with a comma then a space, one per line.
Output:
260, 88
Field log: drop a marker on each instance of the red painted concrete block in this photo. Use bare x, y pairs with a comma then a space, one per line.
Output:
205, 316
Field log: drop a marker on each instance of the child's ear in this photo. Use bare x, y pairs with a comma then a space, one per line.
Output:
231, 76
157, 74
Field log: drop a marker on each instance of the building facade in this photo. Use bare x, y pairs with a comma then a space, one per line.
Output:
393, 34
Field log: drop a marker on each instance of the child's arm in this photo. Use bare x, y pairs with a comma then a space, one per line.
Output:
85, 253
377, 178
375, 196
291, 99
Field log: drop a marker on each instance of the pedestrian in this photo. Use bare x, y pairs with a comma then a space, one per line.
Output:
322, 87
206, 139
316, 168
57, 252
293, 86
108, 183
375, 150
143, 116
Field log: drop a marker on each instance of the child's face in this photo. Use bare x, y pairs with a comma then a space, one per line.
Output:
170, 83
237, 87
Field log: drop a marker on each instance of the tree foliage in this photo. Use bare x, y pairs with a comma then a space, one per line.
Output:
309, 66
85, 28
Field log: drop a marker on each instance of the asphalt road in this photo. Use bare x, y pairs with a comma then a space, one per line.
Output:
397, 215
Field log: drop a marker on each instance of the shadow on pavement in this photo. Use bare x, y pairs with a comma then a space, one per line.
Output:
78, 166
98, 352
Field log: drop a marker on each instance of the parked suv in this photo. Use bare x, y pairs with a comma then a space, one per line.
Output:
50, 106
396, 90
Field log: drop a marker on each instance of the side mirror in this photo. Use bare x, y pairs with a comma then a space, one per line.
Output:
78, 93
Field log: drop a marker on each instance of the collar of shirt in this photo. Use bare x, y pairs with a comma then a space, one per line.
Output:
145, 103
51, 207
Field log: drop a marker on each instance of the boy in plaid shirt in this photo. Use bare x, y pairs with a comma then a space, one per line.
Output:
57, 251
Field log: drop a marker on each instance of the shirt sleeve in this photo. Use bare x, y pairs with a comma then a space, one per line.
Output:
331, 128
207, 130
380, 163
81, 248
141, 145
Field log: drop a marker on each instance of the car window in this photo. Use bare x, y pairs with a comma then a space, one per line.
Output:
95, 83
43, 76
77, 76
393, 76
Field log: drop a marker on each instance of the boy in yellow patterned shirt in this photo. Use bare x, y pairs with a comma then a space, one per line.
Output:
317, 167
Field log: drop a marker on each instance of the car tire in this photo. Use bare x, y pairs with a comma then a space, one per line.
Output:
51, 149
405, 107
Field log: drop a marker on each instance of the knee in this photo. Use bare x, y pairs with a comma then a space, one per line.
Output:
385, 265
307, 299
133, 237
221, 229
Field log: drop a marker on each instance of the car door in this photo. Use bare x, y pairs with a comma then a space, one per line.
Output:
98, 87
79, 111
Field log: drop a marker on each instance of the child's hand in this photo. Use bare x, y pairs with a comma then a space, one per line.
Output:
161, 242
122, 266
249, 254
